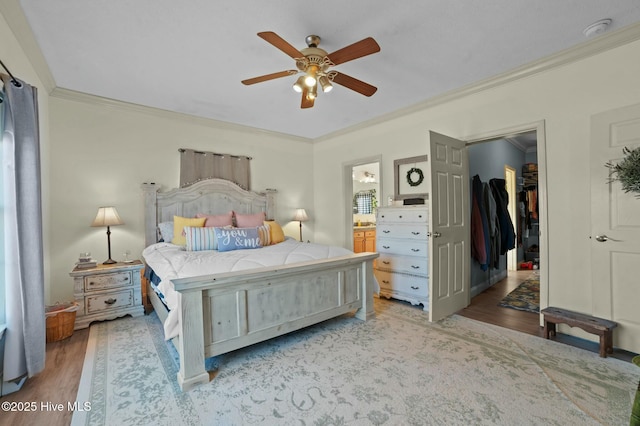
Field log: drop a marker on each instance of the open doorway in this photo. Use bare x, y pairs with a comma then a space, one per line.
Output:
362, 189
508, 292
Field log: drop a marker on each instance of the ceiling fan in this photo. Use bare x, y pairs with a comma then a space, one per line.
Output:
314, 63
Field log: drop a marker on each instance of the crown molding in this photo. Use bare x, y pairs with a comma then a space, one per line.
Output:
72, 95
13, 14
516, 143
584, 50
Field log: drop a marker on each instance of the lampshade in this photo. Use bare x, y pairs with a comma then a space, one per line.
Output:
107, 216
300, 215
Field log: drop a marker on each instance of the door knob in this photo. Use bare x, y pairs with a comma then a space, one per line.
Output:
603, 238
435, 234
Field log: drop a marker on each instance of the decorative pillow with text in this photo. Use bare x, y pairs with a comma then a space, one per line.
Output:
237, 238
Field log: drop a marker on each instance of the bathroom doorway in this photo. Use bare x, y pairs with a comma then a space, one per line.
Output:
363, 193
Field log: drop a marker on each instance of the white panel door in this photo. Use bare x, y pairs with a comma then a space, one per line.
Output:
615, 228
449, 247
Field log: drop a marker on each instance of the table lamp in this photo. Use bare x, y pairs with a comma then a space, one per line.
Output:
107, 216
300, 216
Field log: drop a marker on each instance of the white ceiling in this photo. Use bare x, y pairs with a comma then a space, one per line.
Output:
190, 56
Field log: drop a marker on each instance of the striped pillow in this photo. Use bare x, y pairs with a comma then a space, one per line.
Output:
199, 239
264, 232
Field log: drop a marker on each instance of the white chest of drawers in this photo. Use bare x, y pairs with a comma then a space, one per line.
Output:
107, 292
402, 241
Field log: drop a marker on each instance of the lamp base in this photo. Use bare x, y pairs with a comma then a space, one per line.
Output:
109, 262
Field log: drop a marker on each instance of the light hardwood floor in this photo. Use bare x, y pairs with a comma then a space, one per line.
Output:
56, 384
59, 381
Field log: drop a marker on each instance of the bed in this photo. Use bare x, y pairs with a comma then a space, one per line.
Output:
223, 311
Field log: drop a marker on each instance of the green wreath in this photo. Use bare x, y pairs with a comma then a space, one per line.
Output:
410, 173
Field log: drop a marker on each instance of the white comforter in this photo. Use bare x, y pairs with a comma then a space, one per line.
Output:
169, 262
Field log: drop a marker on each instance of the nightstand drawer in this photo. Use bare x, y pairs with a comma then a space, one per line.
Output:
107, 281
107, 301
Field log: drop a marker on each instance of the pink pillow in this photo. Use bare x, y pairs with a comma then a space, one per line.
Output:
217, 220
249, 220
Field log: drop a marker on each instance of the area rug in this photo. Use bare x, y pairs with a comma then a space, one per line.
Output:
525, 297
396, 369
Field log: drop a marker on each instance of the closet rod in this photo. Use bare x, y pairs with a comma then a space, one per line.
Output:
13, 79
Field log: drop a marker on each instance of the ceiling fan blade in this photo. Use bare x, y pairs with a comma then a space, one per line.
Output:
354, 84
306, 102
268, 77
354, 51
280, 43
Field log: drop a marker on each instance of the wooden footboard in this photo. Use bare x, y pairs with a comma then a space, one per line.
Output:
223, 312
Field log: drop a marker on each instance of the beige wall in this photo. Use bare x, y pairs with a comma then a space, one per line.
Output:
103, 151
565, 98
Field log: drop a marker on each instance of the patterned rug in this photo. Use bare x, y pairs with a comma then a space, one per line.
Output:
526, 297
396, 369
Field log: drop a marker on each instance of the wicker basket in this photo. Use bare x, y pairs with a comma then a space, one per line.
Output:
61, 319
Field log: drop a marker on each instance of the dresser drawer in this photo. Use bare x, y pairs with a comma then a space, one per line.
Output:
408, 264
402, 215
403, 247
412, 231
108, 301
410, 285
107, 281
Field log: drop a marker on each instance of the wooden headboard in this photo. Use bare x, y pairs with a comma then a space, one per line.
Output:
211, 196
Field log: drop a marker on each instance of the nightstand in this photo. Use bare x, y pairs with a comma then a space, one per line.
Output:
107, 292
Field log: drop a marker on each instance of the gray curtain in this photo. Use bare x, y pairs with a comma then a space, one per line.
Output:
198, 165
25, 343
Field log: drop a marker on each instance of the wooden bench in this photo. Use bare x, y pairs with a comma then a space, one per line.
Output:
599, 326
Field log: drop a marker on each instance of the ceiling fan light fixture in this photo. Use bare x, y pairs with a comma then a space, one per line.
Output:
325, 84
314, 63
297, 86
312, 93
310, 80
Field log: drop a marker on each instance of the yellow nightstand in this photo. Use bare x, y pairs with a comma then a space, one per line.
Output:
107, 292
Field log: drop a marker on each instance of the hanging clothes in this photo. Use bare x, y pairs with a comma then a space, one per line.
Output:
522, 217
480, 247
494, 226
507, 232
532, 197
